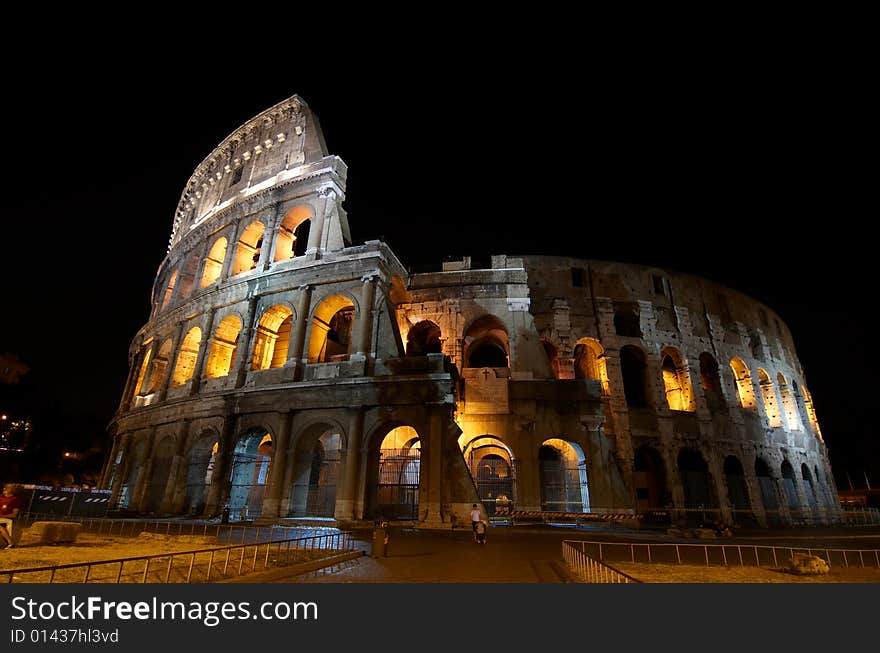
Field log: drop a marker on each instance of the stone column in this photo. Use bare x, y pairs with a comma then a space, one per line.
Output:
755, 497
347, 497
278, 467
172, 363
270, 233
199, 369
220, 476
108, 465
231, 252
363, 344
144, 474
134, 368
119, 478
316, 233
429, 507
528, 481
245, 344
172, 498
717, 471
298, 338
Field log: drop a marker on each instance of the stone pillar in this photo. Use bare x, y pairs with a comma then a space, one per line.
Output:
245, 344
270, 233
231, 251
207, 327
755, 496
363, 342
277, 469
172, 363
673, 481
220, 476
528, 481
134, 368
119, 478
172, 498
144, 474
717, 471
429, 510
108, 465
347, 496
298, 338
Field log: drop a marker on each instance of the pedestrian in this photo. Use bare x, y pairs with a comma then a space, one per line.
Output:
476, 518
10, 505
482, 527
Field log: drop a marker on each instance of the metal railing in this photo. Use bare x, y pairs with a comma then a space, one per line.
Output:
721, 555
590, 570
199, 566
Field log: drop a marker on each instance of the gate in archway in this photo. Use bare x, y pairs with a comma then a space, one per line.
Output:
321, 499
398, 489
493, 477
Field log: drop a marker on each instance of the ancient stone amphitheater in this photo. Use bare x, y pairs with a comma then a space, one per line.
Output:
286, 372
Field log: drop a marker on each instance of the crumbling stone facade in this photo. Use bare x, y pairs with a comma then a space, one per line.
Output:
287, 373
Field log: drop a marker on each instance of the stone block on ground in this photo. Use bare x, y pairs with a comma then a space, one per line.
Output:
804, 564
50, 532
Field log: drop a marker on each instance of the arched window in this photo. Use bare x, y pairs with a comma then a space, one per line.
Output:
768, 394
710, 377
186, 357
789, 406
634, 370
188, 276
247, 253
552, 356
169, 290
273, 338
744, 388
292, 238
737, 490
332, 330
811, 412
223, 348
649, 479
589, 362
158, 367
146, 353
676, 380
423, 338
214, 262
486, 343
626, 323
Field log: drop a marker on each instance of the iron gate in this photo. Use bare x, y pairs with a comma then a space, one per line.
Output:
321, 499
398, 488
563, 487
494, 479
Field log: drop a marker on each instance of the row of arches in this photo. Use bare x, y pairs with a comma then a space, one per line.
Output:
223, 260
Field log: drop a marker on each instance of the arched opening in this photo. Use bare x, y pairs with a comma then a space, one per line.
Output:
186, 357
676, 381
626, 323
273, 338
146, 353
744, 389
423, 338
486, 344
492, 467
649, 479
332, 330
169, 290
247, 252
768, 394
158, 367
161, 467
188, 276
768, 492
589, 363
399, 466
737, 491
809, 488
788, 483
710, 378
292, 238
200, 473
789, 406
316, 472
811, 412
214, 262
251, 460
552, 356
135, 460
223, 347
699, 497
634, 369
563, 473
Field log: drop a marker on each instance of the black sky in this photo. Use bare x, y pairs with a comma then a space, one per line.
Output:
748, 173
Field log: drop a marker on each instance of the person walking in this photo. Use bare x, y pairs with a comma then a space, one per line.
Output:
476, 518
482, 527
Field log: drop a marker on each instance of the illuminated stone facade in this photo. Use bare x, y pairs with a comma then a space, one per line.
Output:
287, 373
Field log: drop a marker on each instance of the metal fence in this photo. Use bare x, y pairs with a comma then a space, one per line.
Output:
199, 566
721, 555
589, 569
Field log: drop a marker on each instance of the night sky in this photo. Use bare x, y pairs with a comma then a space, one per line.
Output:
749, 175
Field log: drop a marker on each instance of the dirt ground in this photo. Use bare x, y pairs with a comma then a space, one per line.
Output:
655, 573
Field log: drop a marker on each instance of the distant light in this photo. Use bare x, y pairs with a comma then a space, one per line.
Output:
2, 416
67, 454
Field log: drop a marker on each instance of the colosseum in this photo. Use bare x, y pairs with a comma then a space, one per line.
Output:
286, 372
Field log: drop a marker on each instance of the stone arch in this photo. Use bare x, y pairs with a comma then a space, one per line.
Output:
393, 472
186, 357
249, 473
789, 405
634, 369
768, 395
332, 329
710, 379
486, 343
247, 251
809, 488
767, 484
317, 464
158, 367
696, 479
163, 454
213, 264
590, 362
169, 290
424, 338
676, 380
626, 322
187, 277
492, 466
811, 412
200, 462
292, 238
552, 356
224, 345
145, 354
649, 479
134, 462
789, 484
737, 490
272, 340
744, 388
563, 476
